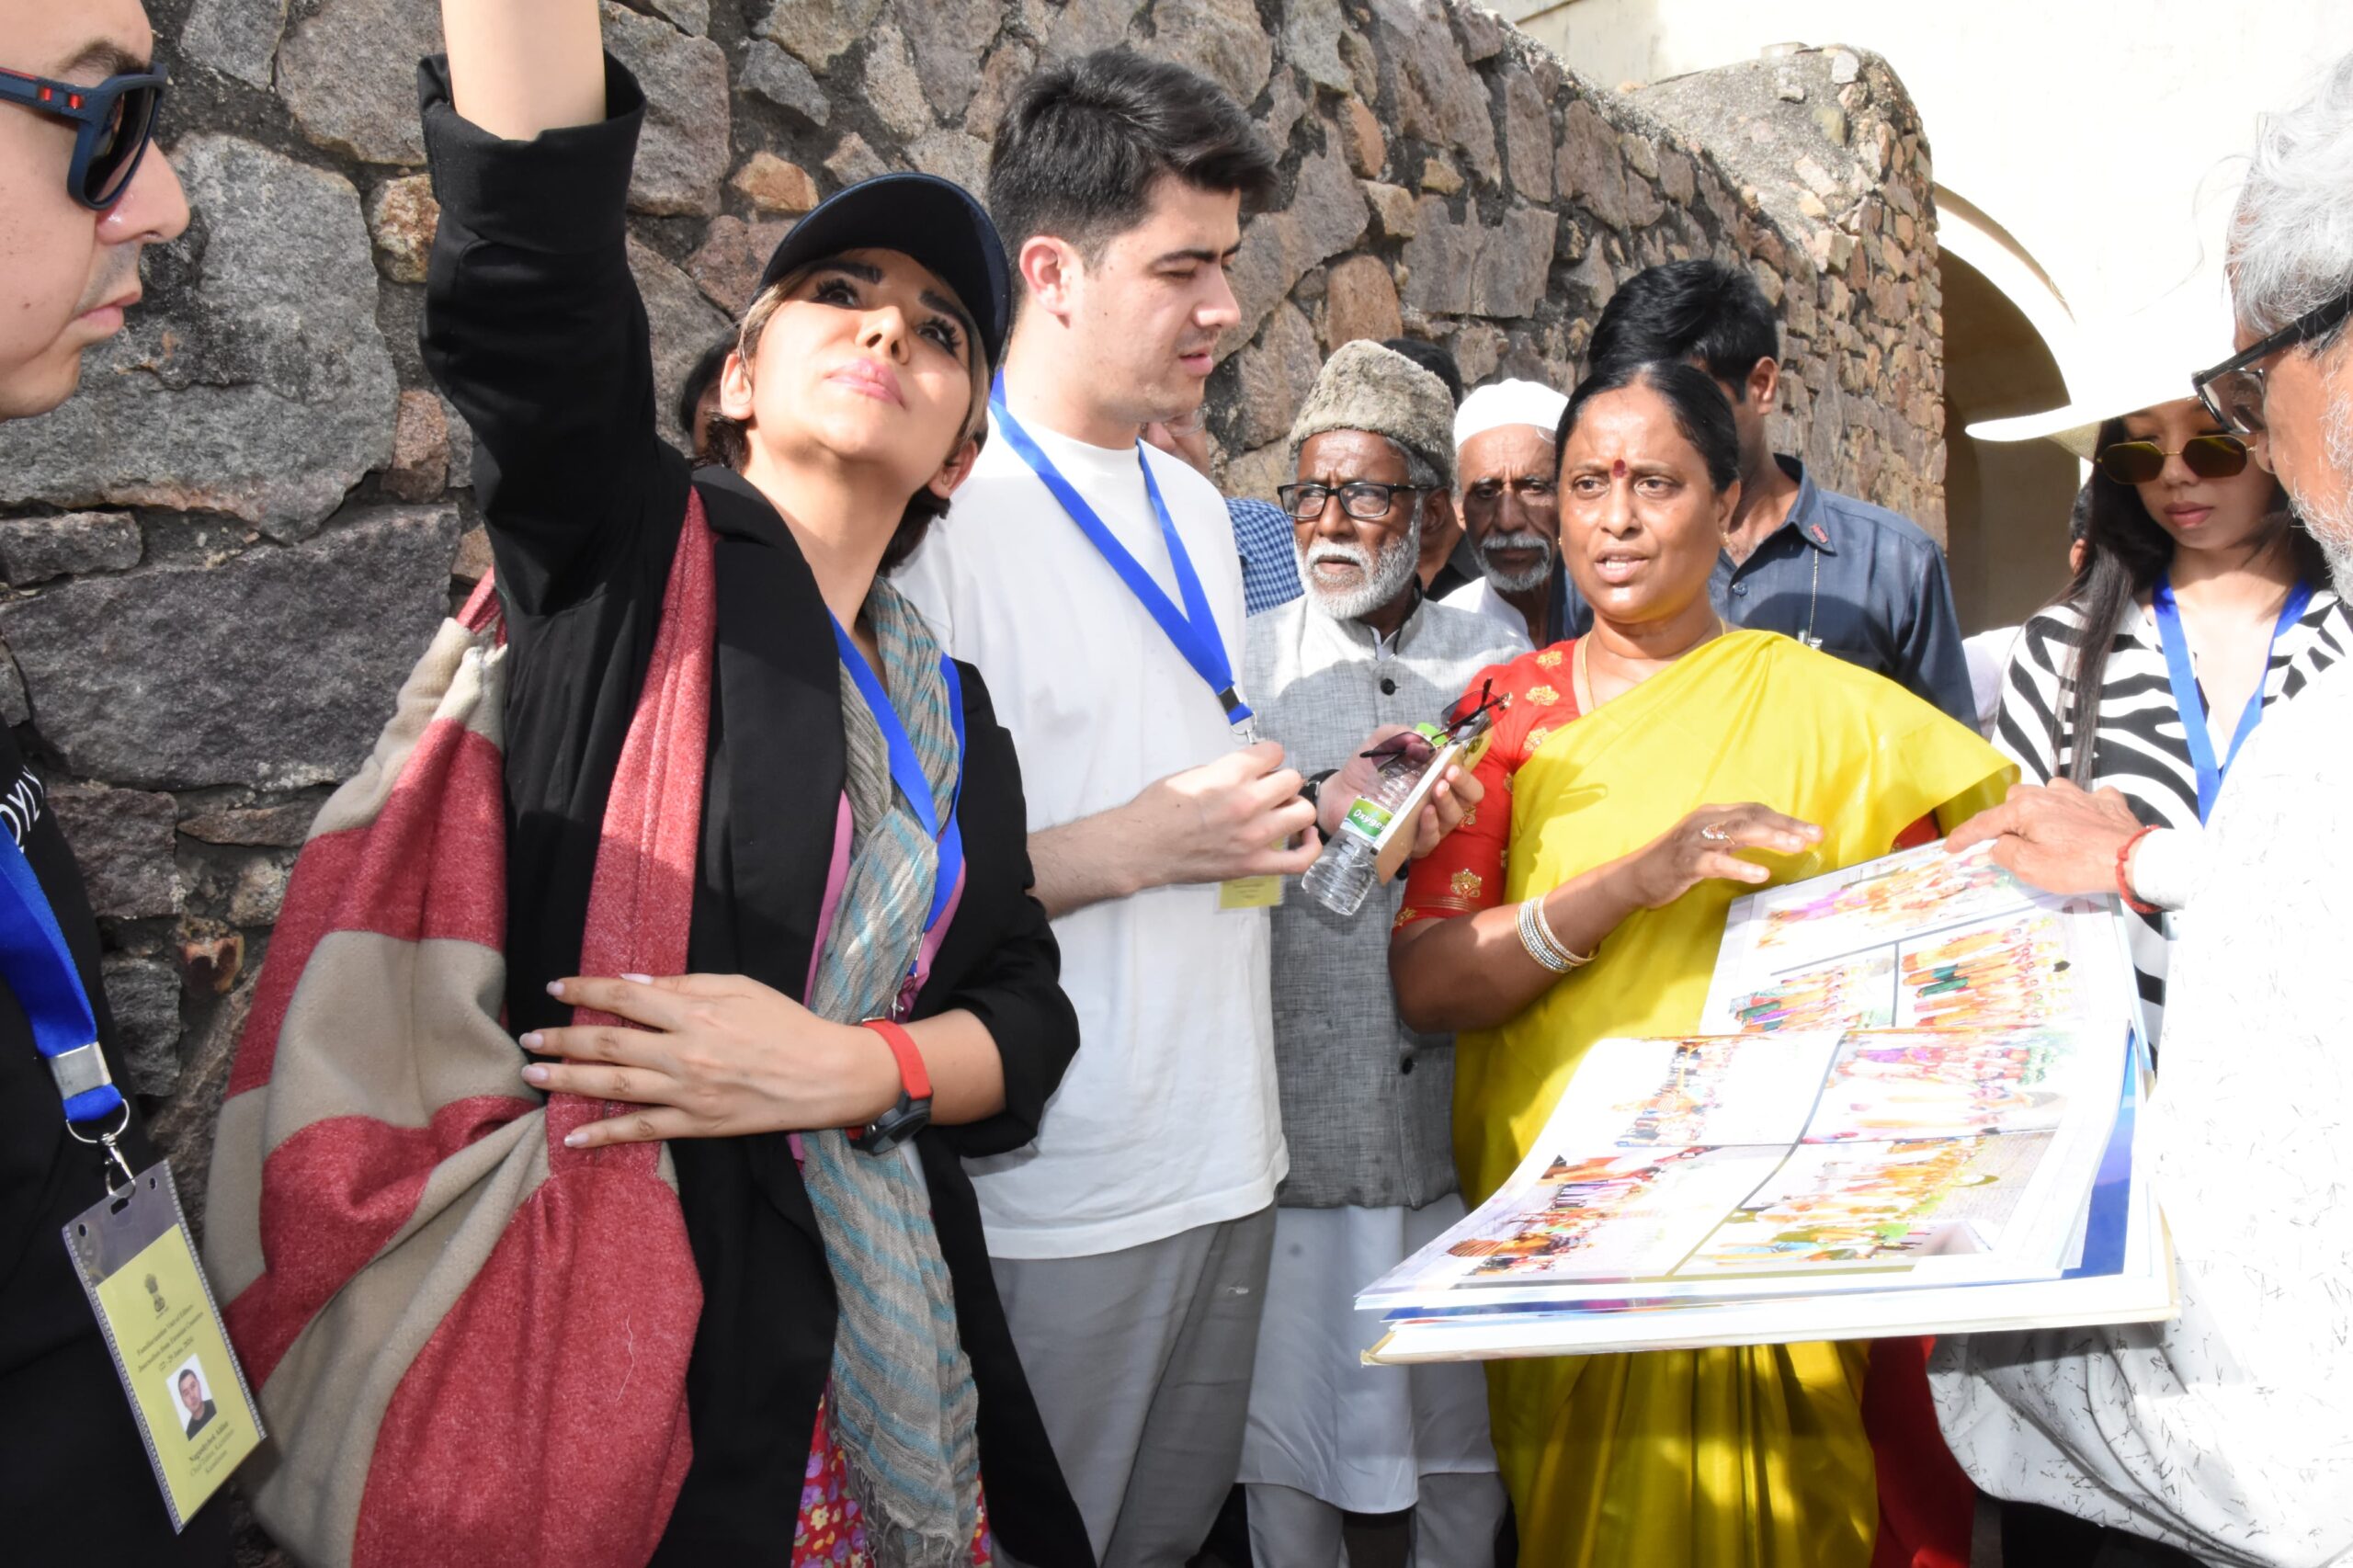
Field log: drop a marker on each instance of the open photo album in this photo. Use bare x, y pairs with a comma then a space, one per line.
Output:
1912, 1112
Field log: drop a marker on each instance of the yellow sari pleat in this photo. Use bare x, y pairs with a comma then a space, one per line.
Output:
1752, 1457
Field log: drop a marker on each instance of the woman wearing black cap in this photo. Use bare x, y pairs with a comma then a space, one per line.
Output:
851, 772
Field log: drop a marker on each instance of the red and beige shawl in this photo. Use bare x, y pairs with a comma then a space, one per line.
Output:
470, 1342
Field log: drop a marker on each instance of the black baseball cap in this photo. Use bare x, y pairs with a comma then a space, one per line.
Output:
935, 220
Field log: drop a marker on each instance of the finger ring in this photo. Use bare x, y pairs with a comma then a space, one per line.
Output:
1714, 833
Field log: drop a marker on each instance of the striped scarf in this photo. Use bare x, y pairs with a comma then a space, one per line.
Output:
902, 1399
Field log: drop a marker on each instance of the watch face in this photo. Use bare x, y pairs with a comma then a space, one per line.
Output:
895, 1126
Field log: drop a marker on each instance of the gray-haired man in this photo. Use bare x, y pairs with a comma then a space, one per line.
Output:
2228, 1433
1366, 1102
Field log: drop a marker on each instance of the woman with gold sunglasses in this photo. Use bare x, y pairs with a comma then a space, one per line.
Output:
2199, 604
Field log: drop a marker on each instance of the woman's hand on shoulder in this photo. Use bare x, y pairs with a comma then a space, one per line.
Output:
1705, 846
716, 1056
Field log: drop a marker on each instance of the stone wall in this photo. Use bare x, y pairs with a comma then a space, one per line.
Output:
223, 556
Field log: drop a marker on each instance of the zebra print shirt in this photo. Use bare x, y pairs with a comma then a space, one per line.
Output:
2140, 748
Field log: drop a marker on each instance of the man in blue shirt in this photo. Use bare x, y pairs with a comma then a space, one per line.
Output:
1262, 531
1838, 574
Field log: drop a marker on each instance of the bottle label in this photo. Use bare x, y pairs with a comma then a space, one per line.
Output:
1367, 821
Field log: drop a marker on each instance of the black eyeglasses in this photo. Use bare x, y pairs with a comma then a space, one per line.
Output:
2233, 390
1363, 499
113, 123
2139, 462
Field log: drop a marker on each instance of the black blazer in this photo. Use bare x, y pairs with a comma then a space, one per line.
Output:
534, 328
765, 1345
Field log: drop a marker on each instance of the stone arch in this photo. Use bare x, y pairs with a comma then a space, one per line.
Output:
2007, 333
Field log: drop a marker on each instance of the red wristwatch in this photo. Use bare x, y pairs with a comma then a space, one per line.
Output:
913, 1113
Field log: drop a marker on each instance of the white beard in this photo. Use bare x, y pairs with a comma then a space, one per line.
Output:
1384, 578
2332, 524
1525, 582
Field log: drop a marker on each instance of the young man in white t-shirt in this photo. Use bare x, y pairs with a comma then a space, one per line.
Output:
1131, 1241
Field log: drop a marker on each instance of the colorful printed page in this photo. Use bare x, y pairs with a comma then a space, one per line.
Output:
2124, 1276
1789, 1162
1916, 939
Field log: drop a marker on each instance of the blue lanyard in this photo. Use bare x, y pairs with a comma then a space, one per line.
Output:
40, 971
1193, 630
2192, 705
906, 768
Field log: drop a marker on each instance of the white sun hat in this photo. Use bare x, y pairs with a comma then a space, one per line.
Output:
2129, 362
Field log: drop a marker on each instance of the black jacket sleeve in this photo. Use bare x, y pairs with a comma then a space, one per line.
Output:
535, 330
1000, 961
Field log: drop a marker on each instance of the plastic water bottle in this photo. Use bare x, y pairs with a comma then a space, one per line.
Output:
1342, 874
1375, 837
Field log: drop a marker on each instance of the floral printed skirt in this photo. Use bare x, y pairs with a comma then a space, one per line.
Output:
830, 1532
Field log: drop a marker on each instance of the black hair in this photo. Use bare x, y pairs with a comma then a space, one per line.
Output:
697, 382
1702, 312
2124, 550
1080, 145
2079, 514
1698, 404
1431, 357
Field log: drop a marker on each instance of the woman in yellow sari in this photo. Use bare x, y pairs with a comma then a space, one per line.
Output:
1587, 899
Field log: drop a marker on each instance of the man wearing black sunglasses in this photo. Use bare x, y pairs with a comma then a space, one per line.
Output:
2226, 1435
78, 203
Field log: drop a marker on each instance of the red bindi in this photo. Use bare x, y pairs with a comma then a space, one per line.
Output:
1618, 469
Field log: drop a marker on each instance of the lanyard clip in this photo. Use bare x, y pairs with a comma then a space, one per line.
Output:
113, 1160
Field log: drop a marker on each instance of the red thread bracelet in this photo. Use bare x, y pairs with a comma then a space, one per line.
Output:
2123, 883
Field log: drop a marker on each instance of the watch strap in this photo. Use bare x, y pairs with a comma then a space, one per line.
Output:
915, 1080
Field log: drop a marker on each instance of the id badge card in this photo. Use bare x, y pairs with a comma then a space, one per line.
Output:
1249, 892
131, 1252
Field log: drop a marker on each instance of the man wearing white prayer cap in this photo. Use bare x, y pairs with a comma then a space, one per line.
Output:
1503, 451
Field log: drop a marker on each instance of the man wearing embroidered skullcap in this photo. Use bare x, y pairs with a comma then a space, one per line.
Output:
1835, 572
1503, 443
1366, 1102
82, 196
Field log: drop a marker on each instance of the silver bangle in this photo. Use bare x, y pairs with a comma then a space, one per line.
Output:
1536, 935
1531, 938
1545, 926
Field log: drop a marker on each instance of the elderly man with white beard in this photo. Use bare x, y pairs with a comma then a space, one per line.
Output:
2227, 1435
1505, 462
1366, 1102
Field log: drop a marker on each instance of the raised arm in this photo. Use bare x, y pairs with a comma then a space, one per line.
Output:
533, 326
519, 67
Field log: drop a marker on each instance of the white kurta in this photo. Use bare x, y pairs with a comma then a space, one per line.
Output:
1480, 598
2229, 1432
1322, 1421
